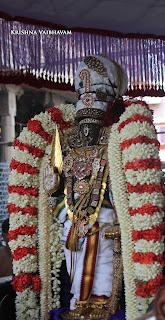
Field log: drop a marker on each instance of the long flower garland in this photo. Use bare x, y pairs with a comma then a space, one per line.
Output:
136, 186
135, 176
50, 251
44, 223
26, 212
120, 196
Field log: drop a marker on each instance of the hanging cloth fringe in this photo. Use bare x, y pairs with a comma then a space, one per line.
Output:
47, 57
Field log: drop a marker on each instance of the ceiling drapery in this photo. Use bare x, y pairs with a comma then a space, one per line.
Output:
29, 54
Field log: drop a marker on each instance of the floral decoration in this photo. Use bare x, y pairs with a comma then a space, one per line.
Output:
28, 209
136, 186
135, 174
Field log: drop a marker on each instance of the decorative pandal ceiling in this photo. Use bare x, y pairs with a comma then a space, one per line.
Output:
41, 53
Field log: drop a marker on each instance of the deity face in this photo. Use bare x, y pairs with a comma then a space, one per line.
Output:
90, 133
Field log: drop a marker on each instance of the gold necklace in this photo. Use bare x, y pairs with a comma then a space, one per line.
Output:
93, 217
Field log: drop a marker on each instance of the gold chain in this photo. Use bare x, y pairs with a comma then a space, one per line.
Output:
93, 217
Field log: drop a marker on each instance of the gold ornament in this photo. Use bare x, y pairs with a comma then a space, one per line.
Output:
96, 65
56, 155
81, 187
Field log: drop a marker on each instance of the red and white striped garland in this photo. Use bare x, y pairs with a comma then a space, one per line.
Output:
26, 212
135, 173
135, 176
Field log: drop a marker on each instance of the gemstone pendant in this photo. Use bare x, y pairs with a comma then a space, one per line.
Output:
81, 187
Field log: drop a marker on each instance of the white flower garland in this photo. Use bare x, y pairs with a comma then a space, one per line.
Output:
32, 138
47, 124
22, 200
69, 112
25, 179
130, 128
148, 176
134, 109
57, 255
142, 304
26, 301
27, 305
44, 223
25, 157
27, 264
145, 246
18, 219
145, 273
21, 240
146, 151
120, 197
50, 253
141, 222
137, 200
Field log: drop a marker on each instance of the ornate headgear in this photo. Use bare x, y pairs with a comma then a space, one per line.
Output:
98, 81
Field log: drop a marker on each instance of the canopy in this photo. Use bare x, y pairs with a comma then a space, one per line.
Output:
46, 51
126, 16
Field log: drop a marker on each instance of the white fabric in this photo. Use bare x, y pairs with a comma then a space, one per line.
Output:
99, 81
102, 284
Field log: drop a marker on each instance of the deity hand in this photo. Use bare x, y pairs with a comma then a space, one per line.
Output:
51, 180
112, 232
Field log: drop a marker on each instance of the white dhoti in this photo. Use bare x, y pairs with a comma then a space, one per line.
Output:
103, 268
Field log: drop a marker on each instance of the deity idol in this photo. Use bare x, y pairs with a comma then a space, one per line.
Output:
88, 209
102, 185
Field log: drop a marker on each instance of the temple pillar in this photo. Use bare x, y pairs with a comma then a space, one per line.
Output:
8, 95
